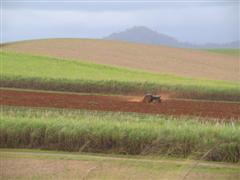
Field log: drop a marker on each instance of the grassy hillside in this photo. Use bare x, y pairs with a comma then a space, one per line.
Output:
36, 72
231, 52
152, 58
124, 133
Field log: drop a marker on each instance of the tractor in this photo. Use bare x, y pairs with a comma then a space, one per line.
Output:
149, 98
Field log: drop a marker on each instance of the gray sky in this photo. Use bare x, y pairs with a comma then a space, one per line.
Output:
190, 21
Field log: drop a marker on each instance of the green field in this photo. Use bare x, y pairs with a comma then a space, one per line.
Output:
35, 72
121, 133
231, 52
18, 164
122, 145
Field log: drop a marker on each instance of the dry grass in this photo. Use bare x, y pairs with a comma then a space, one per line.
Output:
71, 169
18, 164
161, 59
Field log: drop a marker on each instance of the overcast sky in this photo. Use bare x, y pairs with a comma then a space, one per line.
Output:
190, 21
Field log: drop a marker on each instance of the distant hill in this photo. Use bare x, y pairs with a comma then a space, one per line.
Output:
159, 59
141, 34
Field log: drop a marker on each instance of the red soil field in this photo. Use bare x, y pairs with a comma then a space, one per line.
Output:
222, 110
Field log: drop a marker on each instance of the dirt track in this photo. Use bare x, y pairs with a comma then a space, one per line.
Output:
119, 103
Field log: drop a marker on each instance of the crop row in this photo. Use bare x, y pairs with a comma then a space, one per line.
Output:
123, 133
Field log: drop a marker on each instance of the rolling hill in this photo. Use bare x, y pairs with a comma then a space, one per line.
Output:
55, 74
153, 58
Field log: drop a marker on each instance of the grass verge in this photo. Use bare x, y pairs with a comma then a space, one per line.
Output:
18, 164
121, 133
45, 73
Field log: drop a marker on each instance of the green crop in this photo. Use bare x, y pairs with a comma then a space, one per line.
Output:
124, 133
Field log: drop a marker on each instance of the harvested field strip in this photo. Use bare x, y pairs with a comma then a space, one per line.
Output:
123, 133
35, 72
221, 110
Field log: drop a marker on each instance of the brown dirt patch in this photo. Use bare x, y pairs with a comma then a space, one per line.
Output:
54, 169
160, 59
120, 103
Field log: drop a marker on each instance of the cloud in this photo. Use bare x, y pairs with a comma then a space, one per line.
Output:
192, 23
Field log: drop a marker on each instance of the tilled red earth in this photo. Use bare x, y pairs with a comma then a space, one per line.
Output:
120, 103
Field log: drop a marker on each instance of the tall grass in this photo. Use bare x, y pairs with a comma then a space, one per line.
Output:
125, 133
36, 72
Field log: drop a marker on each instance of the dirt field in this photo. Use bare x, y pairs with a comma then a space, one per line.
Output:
120, 103
160, 59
